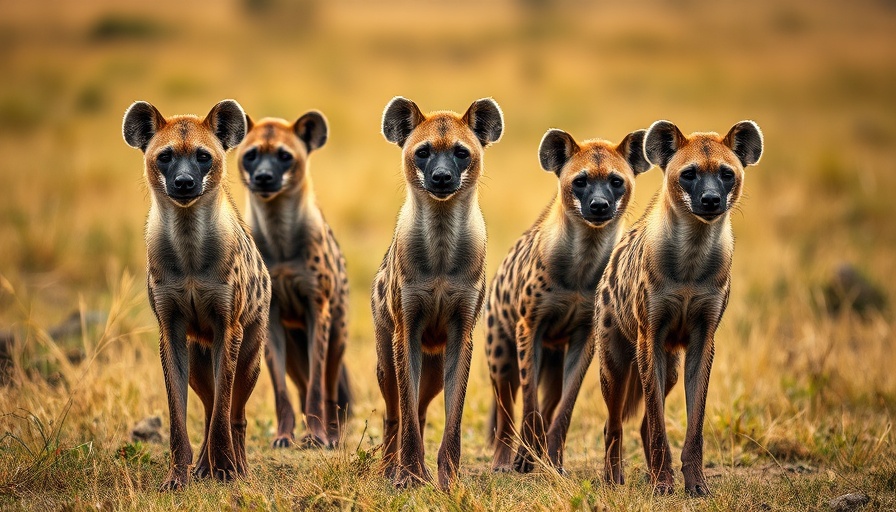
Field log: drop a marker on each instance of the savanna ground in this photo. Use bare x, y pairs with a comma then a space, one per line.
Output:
801, 400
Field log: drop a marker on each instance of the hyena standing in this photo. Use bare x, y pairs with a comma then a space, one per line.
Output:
208, 286
309, 304
429, 289
665, 290
541, 303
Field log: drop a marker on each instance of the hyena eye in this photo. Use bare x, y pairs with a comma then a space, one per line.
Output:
689, 174
461, 153
284, 156
727, 175
616, 181
422, 153
251, 155
579, 182
203, 156
165, 156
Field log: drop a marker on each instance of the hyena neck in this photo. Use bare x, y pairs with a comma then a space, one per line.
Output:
285, 221
193, 234
442, 229
689, 245
578, 248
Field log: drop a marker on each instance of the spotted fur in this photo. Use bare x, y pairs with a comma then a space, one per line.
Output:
429, 289
307, 328
540, 306
208, 285
664, 292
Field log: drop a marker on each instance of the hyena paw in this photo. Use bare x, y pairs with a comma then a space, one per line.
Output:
282, 441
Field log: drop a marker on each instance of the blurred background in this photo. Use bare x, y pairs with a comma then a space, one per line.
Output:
809, 323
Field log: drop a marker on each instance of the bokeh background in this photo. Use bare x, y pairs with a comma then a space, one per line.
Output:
804, 354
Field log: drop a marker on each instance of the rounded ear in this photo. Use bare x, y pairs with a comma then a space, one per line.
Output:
556, 148
745, 139
400, 118
228, 122
661, 142
312, 129
486, 120
141, 122
249, 124
632, 149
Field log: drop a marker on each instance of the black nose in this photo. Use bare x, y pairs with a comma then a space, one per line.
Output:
441, 177
599, 206
184, 183
710, 200
263, 178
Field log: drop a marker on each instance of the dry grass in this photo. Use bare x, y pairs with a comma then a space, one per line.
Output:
801, 402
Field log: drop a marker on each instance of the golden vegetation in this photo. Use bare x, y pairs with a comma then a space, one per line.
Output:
801, 401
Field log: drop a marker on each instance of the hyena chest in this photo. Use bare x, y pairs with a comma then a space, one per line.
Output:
441, 306
689, 311
294, 288
205, 307
563, 312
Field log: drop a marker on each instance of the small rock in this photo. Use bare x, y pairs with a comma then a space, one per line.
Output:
148, 430
849, 502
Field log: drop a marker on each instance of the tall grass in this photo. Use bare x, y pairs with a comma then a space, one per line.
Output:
801, 401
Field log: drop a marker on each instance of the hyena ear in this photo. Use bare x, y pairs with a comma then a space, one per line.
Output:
486, 120
556, 148
399, 120
745, 139
312, 129
632, 148
661, 142
249, 124
141, 122
228, 122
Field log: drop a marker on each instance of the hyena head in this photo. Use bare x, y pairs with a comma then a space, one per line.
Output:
274, 155
704, 171
184, 155
442, 151
596, 177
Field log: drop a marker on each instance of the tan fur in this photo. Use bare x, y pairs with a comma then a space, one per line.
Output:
540, 306
307, 328
208, 288
664, 292
429, 289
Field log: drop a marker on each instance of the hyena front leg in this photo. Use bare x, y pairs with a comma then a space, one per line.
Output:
698, 364
173, 349
458, 354
652, 369
579, 354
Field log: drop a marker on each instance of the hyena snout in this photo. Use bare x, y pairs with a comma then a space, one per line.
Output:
600, 207
599, 202
708, 194
267, 171
184, 175
442, 170
711, 201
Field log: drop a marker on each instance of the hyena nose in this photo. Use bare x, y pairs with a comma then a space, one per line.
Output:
710, 200
184, 183
441, 177
263, 178
599, 206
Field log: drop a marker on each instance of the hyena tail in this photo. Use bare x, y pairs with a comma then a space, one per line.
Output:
492, 421
633, 393
344, 393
